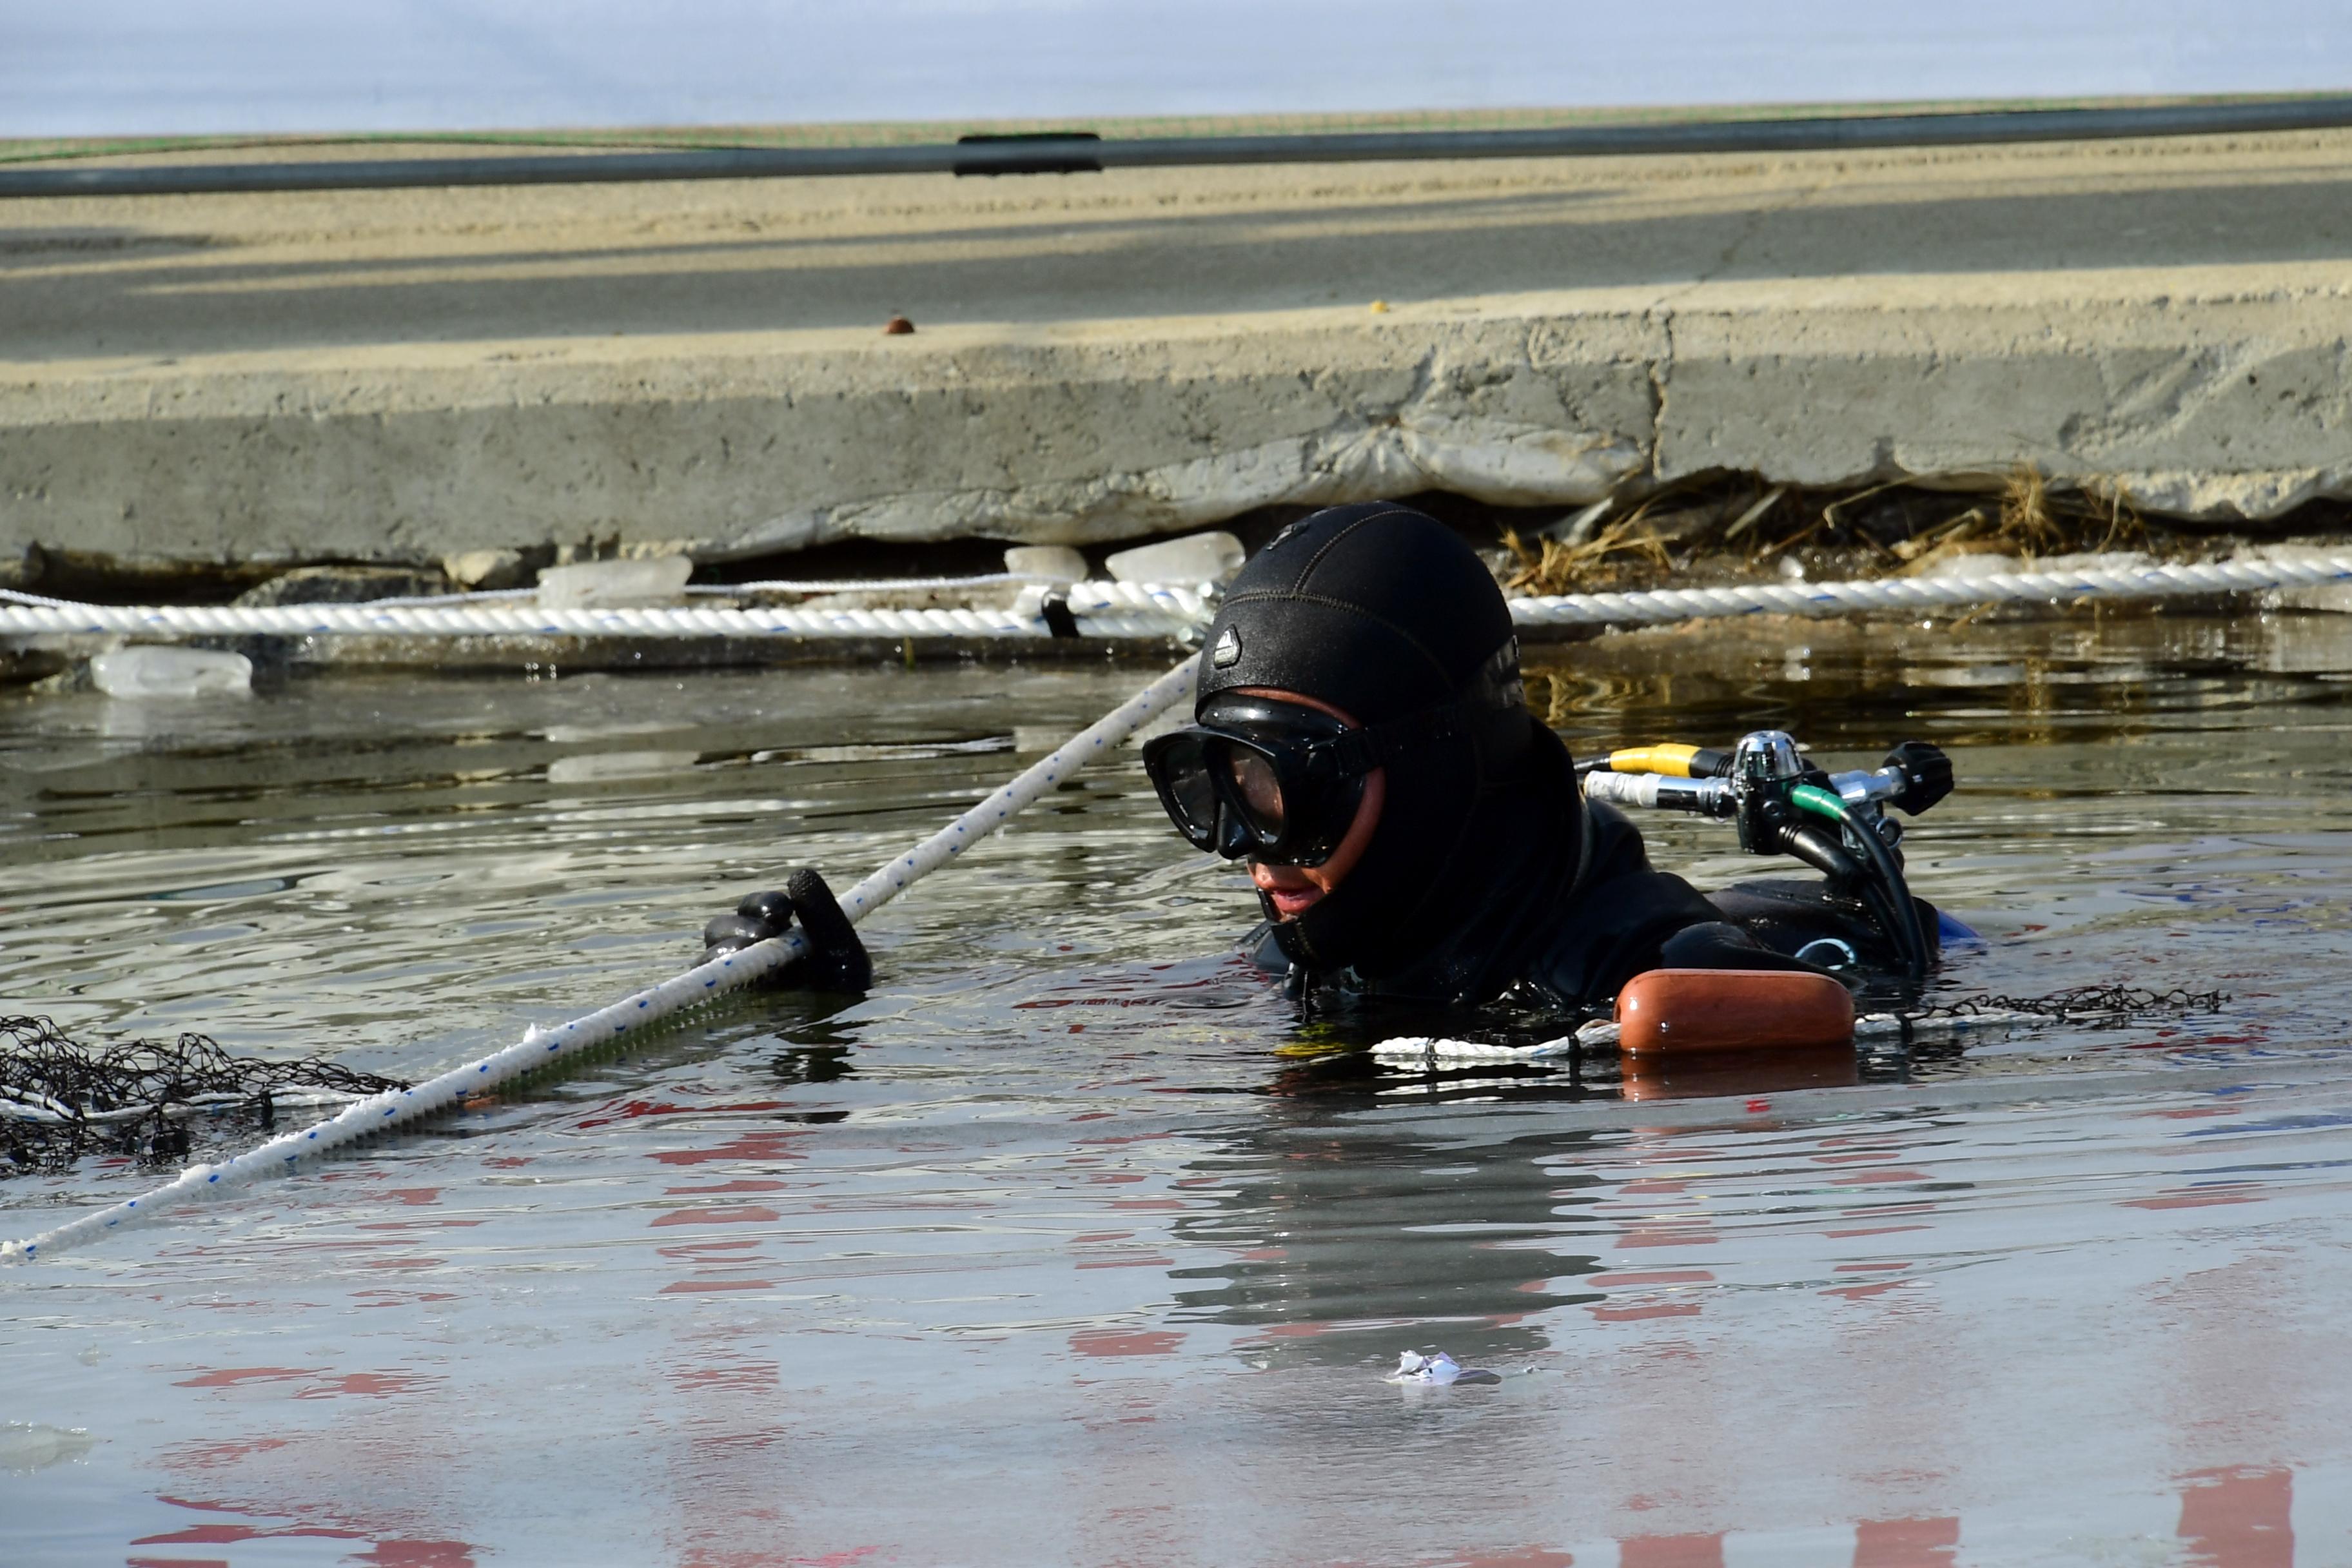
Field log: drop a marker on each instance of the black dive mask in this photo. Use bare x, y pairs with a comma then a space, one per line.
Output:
1276, 782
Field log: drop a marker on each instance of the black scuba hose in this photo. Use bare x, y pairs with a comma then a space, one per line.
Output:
1901, 919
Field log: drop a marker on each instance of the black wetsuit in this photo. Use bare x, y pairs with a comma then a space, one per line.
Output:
1570, 909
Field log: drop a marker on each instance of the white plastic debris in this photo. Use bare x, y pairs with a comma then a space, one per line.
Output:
148, 672
1210, 557
1437, 1370
603, 584
1050, 563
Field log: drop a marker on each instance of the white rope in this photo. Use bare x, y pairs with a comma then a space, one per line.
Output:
1148, 610
1601, 1035
2131, 580
539, 1048
1156, 610
874, 585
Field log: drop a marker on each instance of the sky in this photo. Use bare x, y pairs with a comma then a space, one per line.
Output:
205, 66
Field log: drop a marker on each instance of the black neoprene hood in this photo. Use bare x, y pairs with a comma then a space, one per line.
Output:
1383, 612
1375, 608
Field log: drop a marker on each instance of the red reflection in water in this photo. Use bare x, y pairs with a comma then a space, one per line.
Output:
699, 1286
237, 1376
743, 1146
2239, 1518
2201, 1196
368, 1385
1635, 1314
747, 1214
1905, 1542
1671, 1552
230, 1534
416, 1554
389, 1551
215, 1456
1116, 1341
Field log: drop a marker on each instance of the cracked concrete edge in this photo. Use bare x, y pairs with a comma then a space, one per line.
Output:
2236, 407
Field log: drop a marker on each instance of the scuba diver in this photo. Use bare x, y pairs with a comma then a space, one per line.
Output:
1361, 739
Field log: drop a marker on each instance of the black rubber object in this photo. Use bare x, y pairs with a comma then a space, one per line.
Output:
775, 907
837, 959
1926, 774
740, 930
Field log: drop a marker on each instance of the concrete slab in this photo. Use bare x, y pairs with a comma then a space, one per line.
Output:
405, 375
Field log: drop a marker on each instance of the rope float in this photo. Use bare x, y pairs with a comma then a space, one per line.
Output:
539, 1048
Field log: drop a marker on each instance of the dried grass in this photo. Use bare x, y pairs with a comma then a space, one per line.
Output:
1909, 531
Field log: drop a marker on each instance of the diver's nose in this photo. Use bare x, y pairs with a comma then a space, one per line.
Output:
1234, 837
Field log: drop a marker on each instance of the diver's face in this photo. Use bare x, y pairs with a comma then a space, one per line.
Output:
1295, 890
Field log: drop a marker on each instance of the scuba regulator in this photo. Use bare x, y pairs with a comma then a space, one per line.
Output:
1783, 804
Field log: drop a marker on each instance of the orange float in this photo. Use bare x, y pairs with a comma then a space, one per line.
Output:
1672, 1013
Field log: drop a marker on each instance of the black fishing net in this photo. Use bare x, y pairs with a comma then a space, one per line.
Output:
2084, 1004
61, 1099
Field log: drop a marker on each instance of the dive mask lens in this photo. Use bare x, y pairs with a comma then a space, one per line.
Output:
1256, 779
1178, 767
1256, 790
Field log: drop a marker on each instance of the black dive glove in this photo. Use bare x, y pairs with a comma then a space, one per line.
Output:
835, 960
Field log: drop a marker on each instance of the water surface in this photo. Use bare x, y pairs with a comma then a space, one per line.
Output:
1070, 1244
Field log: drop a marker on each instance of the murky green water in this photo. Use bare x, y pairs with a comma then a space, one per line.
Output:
1063, 1248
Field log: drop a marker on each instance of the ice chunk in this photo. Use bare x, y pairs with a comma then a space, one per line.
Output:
1050, 562
31, 1446
1212, 557
149, 670
1437, 1370
608, 585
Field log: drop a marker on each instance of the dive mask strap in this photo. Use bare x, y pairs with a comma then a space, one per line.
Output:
1360, 751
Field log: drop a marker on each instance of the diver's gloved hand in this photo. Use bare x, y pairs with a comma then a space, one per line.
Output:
837, 960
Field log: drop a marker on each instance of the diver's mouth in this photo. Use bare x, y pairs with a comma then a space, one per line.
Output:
1289, 903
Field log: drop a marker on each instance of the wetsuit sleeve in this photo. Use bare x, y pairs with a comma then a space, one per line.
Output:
1720, 944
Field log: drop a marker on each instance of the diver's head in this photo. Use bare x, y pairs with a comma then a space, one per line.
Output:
1359, 693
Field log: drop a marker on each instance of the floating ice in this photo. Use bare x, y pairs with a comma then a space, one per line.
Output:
1210, 557
606, 584
1437, 1370
148, 672
33, 1447
1052, 562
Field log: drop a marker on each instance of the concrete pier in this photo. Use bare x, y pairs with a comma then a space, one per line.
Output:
405, 376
